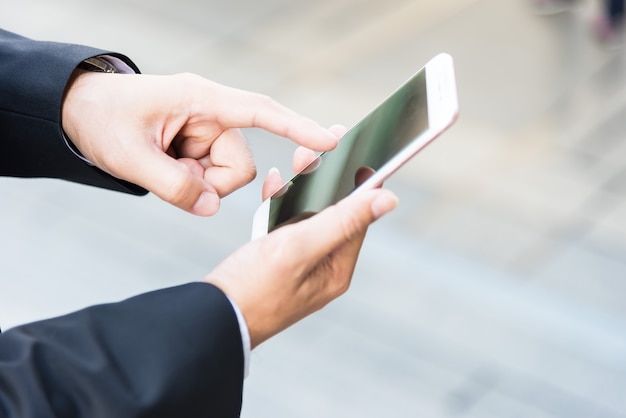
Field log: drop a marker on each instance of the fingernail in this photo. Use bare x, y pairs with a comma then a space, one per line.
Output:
274, 170
384, 204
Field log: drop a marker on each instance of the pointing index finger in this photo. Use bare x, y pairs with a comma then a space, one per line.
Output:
243, 109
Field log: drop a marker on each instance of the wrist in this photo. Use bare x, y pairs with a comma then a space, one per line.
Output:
69, 110
70, 105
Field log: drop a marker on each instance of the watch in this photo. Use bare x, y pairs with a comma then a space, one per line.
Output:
98, 65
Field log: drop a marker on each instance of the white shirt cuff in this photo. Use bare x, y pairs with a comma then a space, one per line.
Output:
245, 337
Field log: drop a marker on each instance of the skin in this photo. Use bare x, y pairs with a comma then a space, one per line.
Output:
179, 137
299, 268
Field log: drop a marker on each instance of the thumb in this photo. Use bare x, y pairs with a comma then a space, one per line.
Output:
344, 221
177, 181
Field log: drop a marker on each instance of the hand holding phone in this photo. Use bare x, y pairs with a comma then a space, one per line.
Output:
409, 119
285, 276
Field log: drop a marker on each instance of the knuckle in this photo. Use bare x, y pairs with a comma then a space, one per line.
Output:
262, 103
350, 225
342, 286
188, 77
250, 172
343, 277
263, 99
177, 191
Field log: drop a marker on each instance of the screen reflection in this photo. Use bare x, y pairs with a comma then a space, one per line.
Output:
364, 149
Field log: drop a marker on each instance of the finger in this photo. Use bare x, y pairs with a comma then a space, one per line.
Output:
179, 182
340, 223
241, 109
272, 183
302, 157
362, 175
230, 164
338, 130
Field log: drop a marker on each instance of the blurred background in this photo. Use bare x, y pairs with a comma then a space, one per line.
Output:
498, 287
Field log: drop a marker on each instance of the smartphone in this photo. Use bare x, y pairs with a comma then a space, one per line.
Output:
403, 124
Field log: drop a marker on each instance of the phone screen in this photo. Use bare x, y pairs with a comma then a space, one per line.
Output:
364, 149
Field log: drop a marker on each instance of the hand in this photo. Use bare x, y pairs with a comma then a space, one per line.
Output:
178, 135
299, 268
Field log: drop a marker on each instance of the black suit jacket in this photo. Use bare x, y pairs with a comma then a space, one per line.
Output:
175, 352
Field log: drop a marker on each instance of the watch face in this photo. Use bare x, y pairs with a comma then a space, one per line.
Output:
97, 65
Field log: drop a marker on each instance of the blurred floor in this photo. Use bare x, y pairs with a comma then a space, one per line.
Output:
495, 290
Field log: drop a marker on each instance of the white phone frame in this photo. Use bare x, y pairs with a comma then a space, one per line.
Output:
443, 110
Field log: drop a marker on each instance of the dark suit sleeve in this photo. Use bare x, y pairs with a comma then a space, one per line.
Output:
33, 77
170, 353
